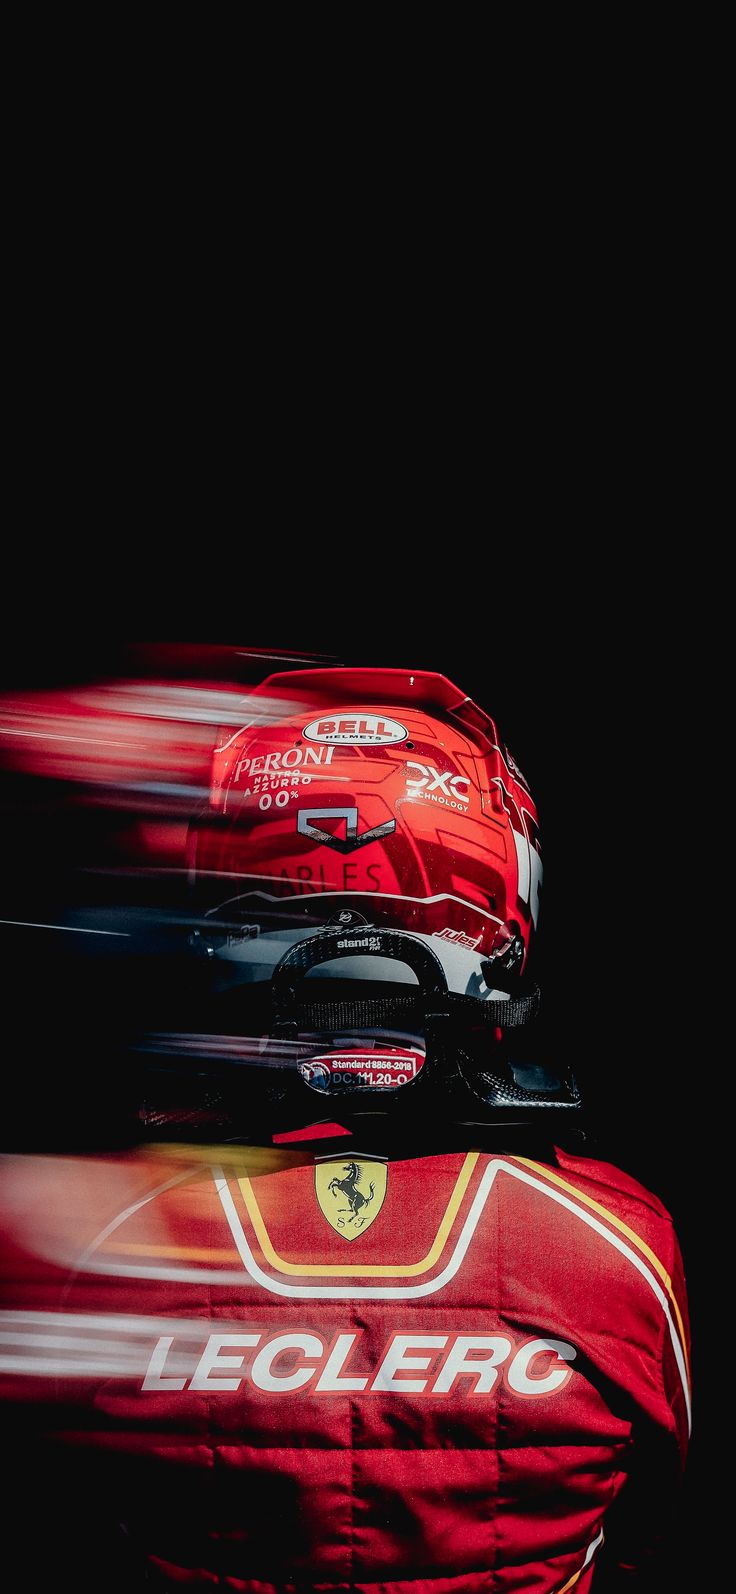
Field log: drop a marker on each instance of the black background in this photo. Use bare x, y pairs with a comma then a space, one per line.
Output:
595, 700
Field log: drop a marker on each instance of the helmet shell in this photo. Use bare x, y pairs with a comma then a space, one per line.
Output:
383, 794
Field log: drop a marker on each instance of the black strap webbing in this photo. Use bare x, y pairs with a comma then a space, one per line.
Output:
407, 1011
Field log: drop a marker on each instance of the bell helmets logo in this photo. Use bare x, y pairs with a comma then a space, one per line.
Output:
372, 730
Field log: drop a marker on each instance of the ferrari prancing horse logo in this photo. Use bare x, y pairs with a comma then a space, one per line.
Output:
350, 1194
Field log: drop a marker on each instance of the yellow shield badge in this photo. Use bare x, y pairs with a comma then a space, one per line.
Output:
351, 1193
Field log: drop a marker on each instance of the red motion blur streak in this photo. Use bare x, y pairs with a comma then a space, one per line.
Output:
157, 728
121, 734
140, 744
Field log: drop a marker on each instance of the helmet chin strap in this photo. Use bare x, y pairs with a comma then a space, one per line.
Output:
466, 1077
446, 1020
429, 1003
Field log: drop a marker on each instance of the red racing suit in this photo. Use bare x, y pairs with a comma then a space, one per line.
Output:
336, 1371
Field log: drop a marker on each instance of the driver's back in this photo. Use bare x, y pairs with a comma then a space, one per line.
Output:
312, 1368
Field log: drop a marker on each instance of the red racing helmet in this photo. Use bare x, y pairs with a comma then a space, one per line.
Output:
370, 855
389, 791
